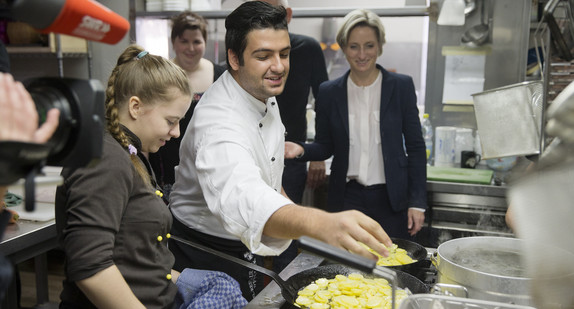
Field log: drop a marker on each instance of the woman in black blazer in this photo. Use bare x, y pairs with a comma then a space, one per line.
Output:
368, 121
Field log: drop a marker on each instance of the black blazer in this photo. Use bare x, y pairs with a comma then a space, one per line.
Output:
405, 167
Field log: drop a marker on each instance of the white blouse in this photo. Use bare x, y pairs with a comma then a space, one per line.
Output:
365, 153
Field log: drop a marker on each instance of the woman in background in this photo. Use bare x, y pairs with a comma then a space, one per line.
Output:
188, 37
368, 121
112, 223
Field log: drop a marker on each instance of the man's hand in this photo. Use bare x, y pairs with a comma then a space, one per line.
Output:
18, 115
316, 175
292, 150
342, 229
416, 221
346, 229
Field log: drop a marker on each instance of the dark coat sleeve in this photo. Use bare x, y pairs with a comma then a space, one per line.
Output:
414, 146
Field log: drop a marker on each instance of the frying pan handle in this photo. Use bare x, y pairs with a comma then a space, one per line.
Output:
230, 258
338, 255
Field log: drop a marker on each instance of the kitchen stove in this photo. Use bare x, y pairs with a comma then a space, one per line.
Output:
427, 273
271, 297
463, 210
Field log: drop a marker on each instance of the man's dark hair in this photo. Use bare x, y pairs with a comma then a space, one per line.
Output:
249, 16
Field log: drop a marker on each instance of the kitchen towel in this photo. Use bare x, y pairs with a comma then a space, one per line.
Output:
205, 289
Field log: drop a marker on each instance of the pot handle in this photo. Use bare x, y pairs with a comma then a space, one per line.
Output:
433, 258
439, 288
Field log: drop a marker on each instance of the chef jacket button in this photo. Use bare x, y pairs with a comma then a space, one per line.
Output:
168, 277
272, 103
159, 238
273, 159
168, 235
260, 125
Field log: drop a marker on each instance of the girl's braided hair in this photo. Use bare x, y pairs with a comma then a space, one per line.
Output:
150, 78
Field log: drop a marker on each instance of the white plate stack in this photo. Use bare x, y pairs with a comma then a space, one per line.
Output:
154, 5
205, 5
176, 5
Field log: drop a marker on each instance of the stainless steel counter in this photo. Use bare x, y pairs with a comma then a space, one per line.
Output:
465, 188
25, 240
460, 210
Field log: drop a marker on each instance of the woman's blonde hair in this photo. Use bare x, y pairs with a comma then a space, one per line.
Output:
150, 78
361, 17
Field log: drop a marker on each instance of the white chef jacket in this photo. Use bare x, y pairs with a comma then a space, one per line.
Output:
228, 182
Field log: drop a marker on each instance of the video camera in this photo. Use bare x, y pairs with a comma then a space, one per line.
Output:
77, 141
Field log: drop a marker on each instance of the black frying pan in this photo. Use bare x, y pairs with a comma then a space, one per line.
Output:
415, 251
304, 278
291, 286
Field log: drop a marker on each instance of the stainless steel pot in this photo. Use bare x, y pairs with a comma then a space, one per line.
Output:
488, 267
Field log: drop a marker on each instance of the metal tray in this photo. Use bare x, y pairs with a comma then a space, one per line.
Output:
509, 119
434, 301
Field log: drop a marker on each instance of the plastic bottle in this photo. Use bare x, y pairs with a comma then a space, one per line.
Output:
428, 136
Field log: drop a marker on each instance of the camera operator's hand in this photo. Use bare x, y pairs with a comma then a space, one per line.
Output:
18, 115
19, 118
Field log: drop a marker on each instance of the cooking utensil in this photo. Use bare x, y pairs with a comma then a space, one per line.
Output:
304, 278
469, 7
415, 251
451, 13
489, 267
477, 35
363, 264
562, 39
509, 119
288, 291
291, 286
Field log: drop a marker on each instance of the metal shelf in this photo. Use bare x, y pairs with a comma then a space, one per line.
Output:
305, 12
28, 49
67, 45
38, 52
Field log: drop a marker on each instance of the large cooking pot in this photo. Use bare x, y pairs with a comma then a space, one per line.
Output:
490, 268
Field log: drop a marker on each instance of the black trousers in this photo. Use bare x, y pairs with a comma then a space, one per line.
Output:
250, 281
374, 202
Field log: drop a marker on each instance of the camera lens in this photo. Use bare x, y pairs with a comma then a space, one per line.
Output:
78, 139
46, 98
